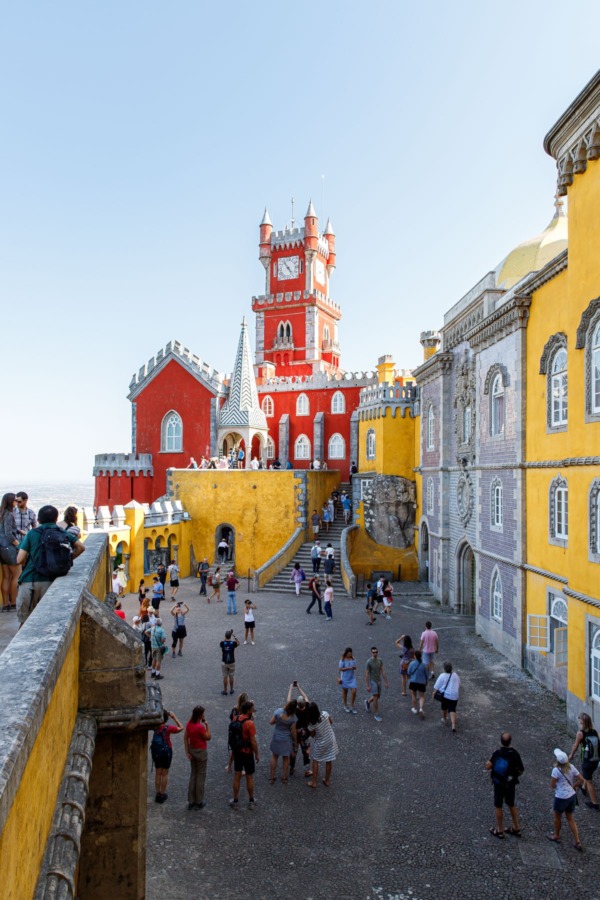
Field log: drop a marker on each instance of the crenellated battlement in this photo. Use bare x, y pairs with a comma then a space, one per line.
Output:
380, 398
318, 382
315, 297
123, 464
215, 380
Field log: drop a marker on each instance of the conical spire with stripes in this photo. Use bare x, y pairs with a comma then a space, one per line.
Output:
242, 409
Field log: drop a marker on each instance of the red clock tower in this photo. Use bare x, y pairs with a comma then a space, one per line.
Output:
296, 319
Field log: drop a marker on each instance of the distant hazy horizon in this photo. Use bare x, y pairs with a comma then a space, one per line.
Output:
56, 493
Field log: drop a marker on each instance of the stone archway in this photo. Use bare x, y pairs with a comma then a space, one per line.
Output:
424, 553
225, 531
465, 579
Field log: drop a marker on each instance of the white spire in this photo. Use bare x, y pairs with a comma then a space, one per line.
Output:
242, 409
266, 219
329, 228
311, 210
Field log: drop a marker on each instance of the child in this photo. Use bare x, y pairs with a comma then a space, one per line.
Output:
249, 621
388, 591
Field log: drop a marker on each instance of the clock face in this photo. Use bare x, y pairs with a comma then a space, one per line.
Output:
288, 267
320, 272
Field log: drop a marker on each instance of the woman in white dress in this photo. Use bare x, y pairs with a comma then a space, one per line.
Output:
323, 745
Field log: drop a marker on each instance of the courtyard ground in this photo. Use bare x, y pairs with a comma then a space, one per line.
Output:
409, 809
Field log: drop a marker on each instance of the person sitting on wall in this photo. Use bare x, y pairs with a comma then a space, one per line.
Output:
192, 463
276, 464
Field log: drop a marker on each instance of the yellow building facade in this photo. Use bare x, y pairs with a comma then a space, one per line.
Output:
563, 428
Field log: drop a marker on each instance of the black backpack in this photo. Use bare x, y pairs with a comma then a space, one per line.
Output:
161, 753
55, 556
236, 741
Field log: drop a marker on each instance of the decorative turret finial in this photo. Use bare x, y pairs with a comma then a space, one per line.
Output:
310, 212
266, 219
329, 229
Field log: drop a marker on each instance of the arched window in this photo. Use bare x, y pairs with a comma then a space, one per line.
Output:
595, 665
595, 366
338, 403
326, 333
171, 433
594, 521
281, 331
588, 339
302, 405
370, 444
270, 448
559, 511
497, 596
430, 496
558, 389
430, 428
268, 407
497, 405
302, 447
496, 503
337, 447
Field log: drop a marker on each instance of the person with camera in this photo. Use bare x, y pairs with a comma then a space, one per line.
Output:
228, 648
195, 737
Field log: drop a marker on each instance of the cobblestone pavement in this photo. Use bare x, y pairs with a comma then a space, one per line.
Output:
409, 809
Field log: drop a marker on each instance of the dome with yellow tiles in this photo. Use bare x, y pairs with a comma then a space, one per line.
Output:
534, 254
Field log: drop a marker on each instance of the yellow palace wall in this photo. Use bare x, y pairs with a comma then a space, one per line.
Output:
557, 307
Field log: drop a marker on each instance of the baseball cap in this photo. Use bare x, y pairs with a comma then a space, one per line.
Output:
561, 756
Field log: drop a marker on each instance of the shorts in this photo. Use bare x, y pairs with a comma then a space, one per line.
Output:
428, 658
375, 688
244, 762
315, 529
174, 583
179, 633
504, 793
8, 555
449, 705
157, 654
250, 625
28, 596
387, 601
565, 804
417, 686
227, 669
588, 769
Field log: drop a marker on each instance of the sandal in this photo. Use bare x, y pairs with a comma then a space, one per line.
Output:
310, 784
516, 832
326, 783
553, 838
271, 781
496, 833
578, 846
284, 780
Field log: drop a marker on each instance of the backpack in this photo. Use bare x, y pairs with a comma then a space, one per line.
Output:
589, 747
303, 575
160, 751
500, 770
235, 739
55, 556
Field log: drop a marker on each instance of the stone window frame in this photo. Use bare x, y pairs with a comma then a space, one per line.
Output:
491, 379
556, 343
430, 496
302, 405
371, 444
594, 521
430, 433
270, 448
589, 327
326, 333
559, 488
338, 403
166, 438
496, 596
268, 407
595, 663
336, 440
284, 332
497, 505
558, 623
302, 442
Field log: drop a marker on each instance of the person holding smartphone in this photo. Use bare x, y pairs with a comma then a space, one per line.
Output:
195, 738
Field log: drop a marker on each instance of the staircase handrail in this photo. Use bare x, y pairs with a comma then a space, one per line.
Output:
279, 560
348, 576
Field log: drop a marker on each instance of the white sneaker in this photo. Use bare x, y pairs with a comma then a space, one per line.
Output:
252, 642
414, 710
347, 709
245, 642
388, 617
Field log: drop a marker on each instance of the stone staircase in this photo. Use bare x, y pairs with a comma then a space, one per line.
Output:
281, 583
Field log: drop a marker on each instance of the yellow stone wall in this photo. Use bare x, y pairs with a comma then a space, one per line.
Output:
261, 506
557, 307
23, 839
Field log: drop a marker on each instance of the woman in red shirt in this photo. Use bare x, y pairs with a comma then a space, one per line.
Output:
196, 734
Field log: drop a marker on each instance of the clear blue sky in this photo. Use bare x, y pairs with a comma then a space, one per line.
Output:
142, 140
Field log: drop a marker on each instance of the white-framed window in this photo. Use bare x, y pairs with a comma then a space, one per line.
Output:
497, 405
559, 389
595, 366
302, 405
302, 447
538, 633
171, 433
430, 427
284, 332
595, 665
268, 407
337, 447
496, 503
430, 496
559, 620
466, 425
594, 521
338, 403
270, 448
371, 444
559, 510
326, 333
496, 595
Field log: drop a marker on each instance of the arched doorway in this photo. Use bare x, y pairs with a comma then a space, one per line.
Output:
465, 580
424, 553
225, 532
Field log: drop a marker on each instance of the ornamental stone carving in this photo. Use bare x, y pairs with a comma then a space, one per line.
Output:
464, 498
465, 409
552, 345
389, 503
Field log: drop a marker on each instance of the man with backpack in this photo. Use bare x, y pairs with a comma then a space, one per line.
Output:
243, 745
46, 552
505, 767
161, 751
